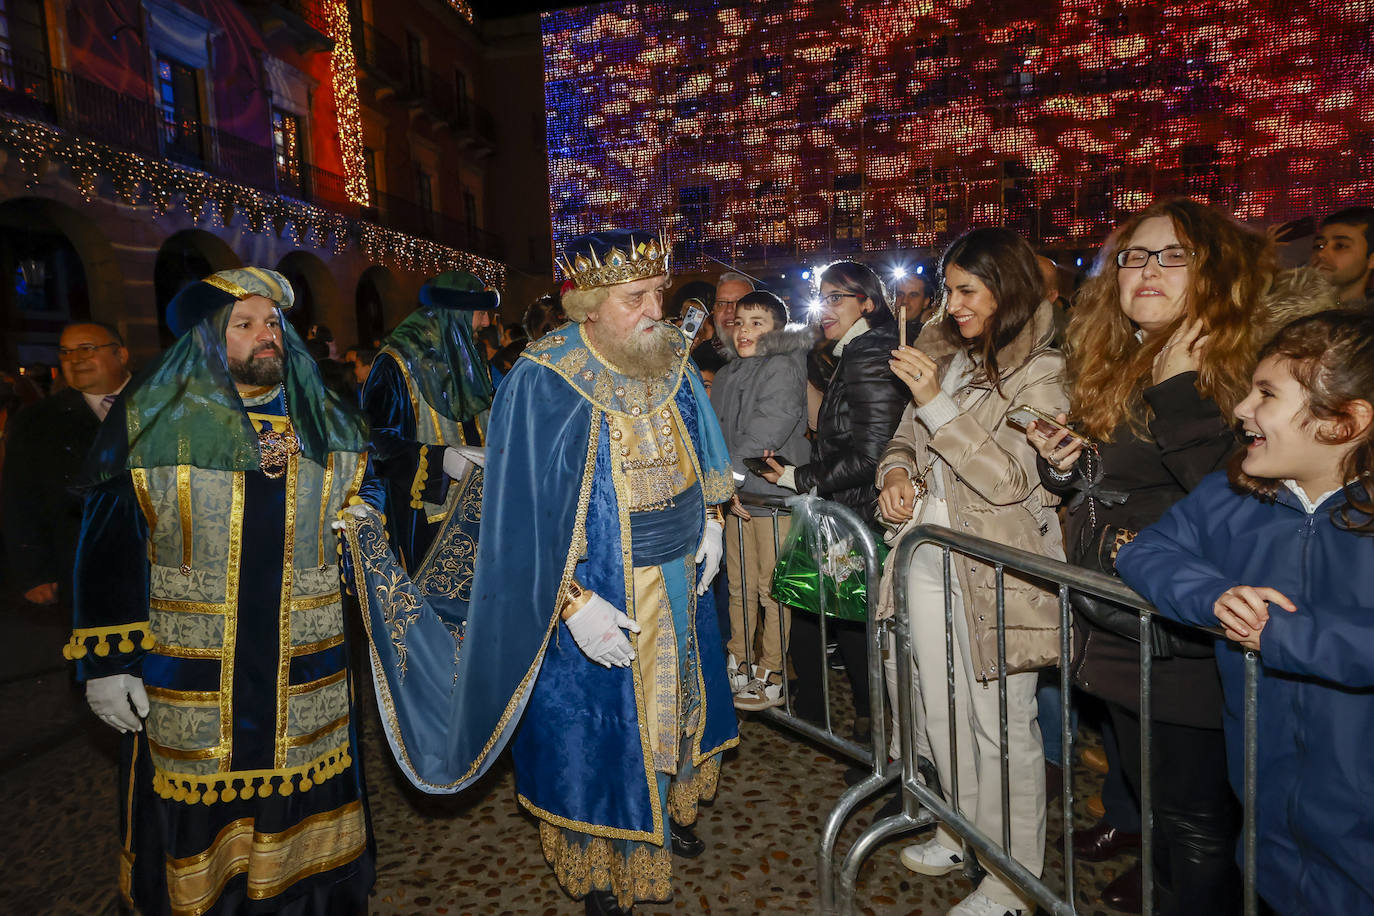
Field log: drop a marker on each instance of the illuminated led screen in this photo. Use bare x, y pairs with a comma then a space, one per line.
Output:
777, 130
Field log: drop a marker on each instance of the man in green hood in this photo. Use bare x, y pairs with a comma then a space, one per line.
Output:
427, 400
209, 629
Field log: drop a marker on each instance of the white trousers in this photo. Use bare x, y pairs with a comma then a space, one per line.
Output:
976, 718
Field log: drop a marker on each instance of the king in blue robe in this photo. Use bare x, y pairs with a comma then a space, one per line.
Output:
601, 486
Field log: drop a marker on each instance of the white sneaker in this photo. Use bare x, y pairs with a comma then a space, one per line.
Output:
931, 858
738, 674
980, 904
760, 692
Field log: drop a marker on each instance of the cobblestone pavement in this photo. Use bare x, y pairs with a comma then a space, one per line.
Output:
476, 853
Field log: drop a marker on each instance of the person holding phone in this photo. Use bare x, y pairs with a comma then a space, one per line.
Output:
1163, 338
858, 413
760, 399
987, 351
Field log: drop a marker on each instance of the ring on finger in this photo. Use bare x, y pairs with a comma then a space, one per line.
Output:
917, 376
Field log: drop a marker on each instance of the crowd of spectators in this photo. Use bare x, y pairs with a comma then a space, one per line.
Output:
1143, 365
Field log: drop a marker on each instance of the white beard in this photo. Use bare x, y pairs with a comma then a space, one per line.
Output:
644, 356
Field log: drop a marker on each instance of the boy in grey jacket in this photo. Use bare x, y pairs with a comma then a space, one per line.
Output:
760, 399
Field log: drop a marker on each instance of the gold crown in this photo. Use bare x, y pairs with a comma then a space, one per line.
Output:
587, 270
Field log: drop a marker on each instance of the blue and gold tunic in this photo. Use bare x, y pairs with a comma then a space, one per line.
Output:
429, 388
221, 591
594, 480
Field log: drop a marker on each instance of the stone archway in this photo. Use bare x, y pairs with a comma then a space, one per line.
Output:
56, 266
375, 297
185, 257
316, 292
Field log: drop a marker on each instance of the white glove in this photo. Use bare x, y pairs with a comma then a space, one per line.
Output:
474, 453
110, 699
358, 511
455, 463
457, 460
596, 628
710, 551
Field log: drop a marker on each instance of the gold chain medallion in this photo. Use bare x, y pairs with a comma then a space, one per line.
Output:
277, 450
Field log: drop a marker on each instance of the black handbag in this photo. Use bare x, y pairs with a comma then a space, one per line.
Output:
1097, 548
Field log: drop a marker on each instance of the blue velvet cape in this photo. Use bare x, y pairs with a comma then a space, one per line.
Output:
549, 513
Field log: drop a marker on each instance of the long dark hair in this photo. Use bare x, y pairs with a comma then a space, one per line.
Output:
1331, 354
853, 277
1006, 265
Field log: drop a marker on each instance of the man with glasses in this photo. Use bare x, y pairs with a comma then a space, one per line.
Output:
730, 288
47, 443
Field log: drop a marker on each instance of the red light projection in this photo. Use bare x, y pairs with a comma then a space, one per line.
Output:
776, 130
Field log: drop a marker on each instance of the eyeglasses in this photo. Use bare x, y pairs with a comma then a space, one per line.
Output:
726, 303
81, 351
1172, 256
833, 299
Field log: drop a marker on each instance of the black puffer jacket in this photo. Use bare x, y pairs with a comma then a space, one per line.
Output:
859, 413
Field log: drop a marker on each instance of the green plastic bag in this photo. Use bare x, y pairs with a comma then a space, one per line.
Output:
796, 581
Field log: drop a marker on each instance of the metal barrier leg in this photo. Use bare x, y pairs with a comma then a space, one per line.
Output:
1066, 733
1147, 817
1251, 862
948, 573
1003, 745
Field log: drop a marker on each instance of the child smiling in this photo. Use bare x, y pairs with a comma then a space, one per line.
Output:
1281, 554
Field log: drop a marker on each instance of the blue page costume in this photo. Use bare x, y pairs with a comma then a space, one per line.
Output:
430, 388
207, 569
596, 481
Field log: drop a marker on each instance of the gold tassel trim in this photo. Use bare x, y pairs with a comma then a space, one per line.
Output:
417, 486
121, 636
246, 784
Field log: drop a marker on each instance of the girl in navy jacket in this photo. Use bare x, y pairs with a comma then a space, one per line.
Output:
1281, 554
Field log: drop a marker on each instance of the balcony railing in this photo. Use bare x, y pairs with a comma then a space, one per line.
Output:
389, 63
31, 90
305, 18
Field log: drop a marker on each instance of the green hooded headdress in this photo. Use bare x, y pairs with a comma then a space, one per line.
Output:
437, 346
185, 408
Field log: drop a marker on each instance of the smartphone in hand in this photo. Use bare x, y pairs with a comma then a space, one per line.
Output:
691, 321
760, 466
1025, 415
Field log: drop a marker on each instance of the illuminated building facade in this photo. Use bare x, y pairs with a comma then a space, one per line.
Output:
145, 143
786, 131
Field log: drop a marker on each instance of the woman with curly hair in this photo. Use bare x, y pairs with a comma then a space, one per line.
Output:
1160, 348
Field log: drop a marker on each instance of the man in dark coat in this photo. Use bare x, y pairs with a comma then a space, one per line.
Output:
47, 443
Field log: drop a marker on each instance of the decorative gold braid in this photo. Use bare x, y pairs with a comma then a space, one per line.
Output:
122, 636
229, 785
228, 286
417, 485
685, 794
646, 875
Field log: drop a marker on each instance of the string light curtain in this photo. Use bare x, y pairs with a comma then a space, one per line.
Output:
774, 128
344, 77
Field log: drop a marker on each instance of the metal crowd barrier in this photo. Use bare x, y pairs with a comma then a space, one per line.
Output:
921, 805
874, 755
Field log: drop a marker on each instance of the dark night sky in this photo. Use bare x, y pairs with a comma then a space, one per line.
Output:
495, 9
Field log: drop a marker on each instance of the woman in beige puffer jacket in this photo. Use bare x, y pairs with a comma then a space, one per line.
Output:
983, 481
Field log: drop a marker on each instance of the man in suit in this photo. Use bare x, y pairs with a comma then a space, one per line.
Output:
47, 444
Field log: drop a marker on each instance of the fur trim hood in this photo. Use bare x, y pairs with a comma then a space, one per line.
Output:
789, 339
